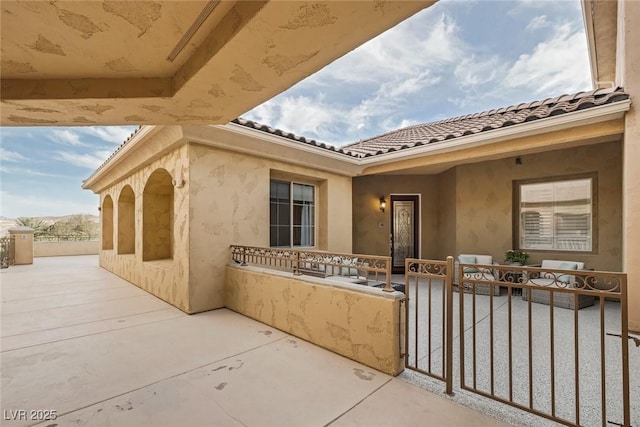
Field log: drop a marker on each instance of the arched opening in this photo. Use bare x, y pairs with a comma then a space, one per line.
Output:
157, 217
107, 223
127, 221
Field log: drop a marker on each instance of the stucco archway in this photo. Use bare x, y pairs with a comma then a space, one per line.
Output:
157, 217
107, 223
126, 221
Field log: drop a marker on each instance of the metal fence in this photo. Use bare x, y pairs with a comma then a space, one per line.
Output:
547, 341
429, 318
7, 251
64, 238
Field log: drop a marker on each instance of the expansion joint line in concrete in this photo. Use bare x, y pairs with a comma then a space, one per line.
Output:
358, 403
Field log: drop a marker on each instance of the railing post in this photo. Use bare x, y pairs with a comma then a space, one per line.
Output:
387, 285
624, 332
244, 257
296, 264
449, 327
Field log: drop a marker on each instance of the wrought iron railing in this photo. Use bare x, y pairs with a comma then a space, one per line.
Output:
536, 351
365, 268
7, 251
65, 238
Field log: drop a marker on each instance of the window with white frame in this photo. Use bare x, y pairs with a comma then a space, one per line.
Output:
556, 215
292, 214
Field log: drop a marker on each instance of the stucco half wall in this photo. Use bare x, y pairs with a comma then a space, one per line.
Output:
66, 248
363, 325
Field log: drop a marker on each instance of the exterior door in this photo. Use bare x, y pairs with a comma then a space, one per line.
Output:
404, 230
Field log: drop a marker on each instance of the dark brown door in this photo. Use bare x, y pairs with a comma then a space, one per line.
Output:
404, 230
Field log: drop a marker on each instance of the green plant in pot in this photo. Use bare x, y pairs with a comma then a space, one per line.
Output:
516, 257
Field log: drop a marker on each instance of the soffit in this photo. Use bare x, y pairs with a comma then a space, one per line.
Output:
105, 62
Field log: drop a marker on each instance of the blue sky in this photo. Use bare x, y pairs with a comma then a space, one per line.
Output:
454, 58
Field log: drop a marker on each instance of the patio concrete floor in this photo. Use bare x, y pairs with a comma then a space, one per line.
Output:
99, 351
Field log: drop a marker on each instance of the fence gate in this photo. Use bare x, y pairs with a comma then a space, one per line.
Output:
429, 318
543, 341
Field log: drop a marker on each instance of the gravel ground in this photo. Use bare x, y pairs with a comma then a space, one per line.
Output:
589, 394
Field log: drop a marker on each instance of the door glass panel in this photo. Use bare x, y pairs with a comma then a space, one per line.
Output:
402, 232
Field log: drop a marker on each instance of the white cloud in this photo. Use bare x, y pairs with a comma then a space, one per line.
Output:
112, 134
538, 22
372, 88
88, 160
11, 156
67, 137
558, 65
476, 70
401, 53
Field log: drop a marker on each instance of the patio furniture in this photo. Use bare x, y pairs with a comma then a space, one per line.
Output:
554, 279
478, 273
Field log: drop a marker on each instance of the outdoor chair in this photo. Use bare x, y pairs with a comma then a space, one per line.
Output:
477, 273
553, 279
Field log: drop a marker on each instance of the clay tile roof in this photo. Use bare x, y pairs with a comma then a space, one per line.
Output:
428, 133
470, 124
288, 135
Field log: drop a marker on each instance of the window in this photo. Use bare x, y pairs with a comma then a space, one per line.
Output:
292, 214
556, 215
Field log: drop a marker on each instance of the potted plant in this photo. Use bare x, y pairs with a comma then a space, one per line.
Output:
516, 257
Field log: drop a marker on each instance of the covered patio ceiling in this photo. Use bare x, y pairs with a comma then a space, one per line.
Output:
170, 62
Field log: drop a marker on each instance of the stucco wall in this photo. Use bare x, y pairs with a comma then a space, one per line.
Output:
446, 214
628, 75
368, 236
86, 247
484, 202
229, 204
167, 279
468, 209
361, 326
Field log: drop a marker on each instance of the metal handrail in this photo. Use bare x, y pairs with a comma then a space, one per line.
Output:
317, 263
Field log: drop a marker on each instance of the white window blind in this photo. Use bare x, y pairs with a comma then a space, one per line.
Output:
556, 215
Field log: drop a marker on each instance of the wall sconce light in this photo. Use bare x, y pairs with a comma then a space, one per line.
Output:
178, 182
383, 204
518, 160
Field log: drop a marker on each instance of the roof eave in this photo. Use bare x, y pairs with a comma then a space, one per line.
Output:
144, 133
568, 120
308, 154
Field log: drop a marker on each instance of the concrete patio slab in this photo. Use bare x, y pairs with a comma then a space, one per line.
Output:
133, 360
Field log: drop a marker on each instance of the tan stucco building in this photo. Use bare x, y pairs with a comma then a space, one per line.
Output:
47, 80
174, 198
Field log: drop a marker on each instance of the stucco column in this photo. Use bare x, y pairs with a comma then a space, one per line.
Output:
628, 71
24, 245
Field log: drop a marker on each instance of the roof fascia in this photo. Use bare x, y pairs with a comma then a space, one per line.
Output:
145, 132
310, 156
564, 121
